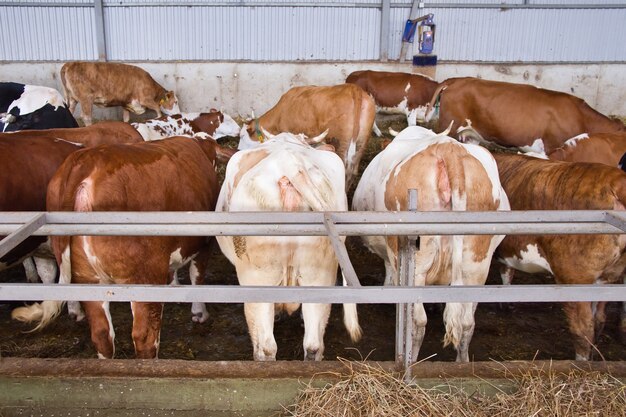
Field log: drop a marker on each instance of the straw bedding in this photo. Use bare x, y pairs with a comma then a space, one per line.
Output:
364, 390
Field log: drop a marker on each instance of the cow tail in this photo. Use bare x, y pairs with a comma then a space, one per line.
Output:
454, 312
430, 107
351, 318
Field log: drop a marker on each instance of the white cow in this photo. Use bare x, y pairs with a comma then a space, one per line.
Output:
448, 176
215, 123
285, 174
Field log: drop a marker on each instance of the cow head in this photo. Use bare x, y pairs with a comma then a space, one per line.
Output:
169, 104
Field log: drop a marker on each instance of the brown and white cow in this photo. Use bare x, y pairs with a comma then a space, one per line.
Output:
518, 115
448, 176
110, 84
179, 172
345, 111
406, 93
214, 123
101, 133
285, 174
537, 184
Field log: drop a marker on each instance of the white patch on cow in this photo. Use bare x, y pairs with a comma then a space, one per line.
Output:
46, 269
67, 141
35, 97
93, 260
407, 88
574, 141
228, 127
486, 160
136, 107
107, 313
537, 147
177, 261
530, 261
420, 113
351, 153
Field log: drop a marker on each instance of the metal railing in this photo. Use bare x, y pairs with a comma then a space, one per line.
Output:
20, 225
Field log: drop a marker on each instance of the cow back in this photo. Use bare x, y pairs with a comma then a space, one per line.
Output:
518, 114
602, 148
102, 133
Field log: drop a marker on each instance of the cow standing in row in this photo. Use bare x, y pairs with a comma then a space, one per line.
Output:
25, 107
345, 111
518, 115
285, 174
214, 123
180, 174
448, 176
111, 84
536, 184
408, 94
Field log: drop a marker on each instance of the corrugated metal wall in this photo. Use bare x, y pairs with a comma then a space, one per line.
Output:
284, 30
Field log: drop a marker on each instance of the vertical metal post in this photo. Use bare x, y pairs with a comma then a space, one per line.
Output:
406, 278
100, 39
412, 15
385, 15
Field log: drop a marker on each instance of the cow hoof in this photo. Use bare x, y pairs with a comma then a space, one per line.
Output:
75, 311
199, 313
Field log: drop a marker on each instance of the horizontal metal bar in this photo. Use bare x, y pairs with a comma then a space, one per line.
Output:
200, 229
335, 295
275, 217
322, 5
312, 223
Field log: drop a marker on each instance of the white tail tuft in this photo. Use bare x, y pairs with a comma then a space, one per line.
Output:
351, 319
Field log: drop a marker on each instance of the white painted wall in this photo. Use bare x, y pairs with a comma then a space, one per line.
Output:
241, 88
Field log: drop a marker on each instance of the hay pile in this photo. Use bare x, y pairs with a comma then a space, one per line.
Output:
364, 390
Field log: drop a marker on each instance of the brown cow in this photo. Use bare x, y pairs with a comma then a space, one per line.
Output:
407, 93
101, 133
537, 184
345, 111
111, 84
603, 148
180, 176
518, 114
27, 166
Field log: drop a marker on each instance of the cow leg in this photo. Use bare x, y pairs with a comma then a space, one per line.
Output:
581, 325
459, 322
419, 329
87, 109
102, 333
46, 269
506, 274
599, 318
315, 320
31, 270
197, 267
147, 319
260, 319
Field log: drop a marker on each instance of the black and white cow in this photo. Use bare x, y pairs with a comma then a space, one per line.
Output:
30, 107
